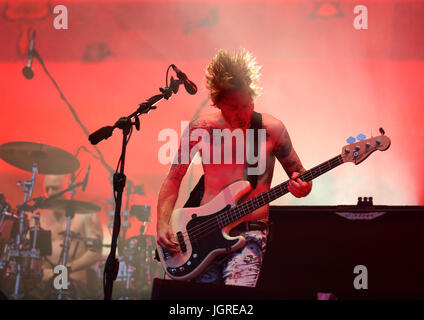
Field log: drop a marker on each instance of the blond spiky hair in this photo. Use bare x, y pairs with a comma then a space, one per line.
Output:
238, 72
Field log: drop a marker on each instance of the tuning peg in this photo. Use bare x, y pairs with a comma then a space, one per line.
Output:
350, 140
381, 131
361, 137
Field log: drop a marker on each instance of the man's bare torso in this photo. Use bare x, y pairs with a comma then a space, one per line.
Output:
218, 176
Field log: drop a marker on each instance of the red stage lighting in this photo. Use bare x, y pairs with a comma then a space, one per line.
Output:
326, 9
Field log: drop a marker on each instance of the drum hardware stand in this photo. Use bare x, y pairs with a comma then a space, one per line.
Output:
131, 190
126, 225
70, 213
119, 179
147, 255
28, 188
4, 207
34, 241
3, 217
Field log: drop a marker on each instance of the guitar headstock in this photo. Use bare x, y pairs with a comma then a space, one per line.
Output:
358, 151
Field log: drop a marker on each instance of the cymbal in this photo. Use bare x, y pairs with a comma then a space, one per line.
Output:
49, 159
81, 207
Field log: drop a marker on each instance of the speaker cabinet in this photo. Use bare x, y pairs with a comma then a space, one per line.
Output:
316, 249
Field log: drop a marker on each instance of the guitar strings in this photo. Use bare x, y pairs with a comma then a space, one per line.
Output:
199, 230
213, 224
205, 228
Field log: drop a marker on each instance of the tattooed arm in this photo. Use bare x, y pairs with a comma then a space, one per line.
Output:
290, 161
168, 193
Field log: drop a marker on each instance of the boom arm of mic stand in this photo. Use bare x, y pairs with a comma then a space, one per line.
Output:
106, 132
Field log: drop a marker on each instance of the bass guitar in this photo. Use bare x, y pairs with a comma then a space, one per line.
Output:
203, 232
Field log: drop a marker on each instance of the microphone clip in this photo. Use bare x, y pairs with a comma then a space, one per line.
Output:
173, 88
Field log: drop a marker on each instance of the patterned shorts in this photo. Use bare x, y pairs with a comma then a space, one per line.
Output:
240, 268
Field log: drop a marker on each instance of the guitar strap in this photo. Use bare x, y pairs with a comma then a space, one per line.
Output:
196, 194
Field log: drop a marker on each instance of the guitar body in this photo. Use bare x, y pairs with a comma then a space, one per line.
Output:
188, 223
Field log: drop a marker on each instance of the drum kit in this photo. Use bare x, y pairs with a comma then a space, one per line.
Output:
24, 245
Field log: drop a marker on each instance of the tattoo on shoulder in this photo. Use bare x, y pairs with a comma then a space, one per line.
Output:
179, 168
287, 155
284, 146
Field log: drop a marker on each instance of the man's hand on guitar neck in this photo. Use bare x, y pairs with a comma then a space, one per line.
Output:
165, 238
297, 187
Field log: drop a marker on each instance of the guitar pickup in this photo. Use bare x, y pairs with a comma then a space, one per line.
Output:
180, 239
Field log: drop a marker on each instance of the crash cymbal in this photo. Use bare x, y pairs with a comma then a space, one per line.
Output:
81, 207
50, 160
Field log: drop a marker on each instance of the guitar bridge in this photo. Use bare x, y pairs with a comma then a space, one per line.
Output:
166, 254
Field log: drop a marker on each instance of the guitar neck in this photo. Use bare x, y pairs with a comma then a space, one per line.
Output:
264, 198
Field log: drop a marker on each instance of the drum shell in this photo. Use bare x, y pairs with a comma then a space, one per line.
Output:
44, 241
9, 227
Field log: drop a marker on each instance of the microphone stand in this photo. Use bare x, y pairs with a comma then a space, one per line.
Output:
125, 124
119, 179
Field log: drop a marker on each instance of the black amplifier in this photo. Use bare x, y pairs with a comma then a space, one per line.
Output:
350, 252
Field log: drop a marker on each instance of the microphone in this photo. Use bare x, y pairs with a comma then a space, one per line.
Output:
190, 87
27, 71
84, 183
101, 134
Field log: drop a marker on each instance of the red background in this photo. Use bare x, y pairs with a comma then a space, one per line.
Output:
325, 80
